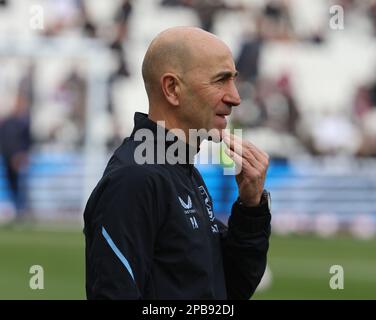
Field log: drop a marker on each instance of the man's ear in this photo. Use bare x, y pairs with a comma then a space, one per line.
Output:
170, 87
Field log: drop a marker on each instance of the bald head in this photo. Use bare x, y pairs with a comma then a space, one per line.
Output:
175, 50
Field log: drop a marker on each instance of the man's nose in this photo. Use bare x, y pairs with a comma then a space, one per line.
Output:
232, 95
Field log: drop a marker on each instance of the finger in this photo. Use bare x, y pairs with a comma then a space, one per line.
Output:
243, 167
246, 153
259, 154
234, 142
238, 160
247, 145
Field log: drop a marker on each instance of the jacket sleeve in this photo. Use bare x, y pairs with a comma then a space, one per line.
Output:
245, 245
120, 228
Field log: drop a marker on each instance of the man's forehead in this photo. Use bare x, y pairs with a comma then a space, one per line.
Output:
217, 64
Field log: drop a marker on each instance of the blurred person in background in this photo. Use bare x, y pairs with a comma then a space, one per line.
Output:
207, 11
15, 143
364, 113
121, 26
275, 20
118, 46
73, 94
247, 62
150, 228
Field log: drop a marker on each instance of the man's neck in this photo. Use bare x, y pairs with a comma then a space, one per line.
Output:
172, 125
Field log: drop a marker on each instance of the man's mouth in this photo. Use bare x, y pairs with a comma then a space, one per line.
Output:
223, 115
222, 119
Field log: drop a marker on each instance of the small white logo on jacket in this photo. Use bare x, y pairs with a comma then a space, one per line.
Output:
187, 205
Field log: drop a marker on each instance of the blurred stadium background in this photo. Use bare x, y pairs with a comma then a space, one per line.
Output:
70, 82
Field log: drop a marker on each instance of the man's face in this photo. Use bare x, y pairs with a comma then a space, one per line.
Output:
209, 91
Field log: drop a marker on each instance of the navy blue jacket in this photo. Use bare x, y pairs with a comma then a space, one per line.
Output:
151, 233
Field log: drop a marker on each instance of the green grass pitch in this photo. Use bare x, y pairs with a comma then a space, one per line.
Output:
299, 264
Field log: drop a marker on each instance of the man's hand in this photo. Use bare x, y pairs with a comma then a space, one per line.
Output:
253, 163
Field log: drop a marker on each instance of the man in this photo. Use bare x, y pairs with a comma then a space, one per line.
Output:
150, 229
15, 144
